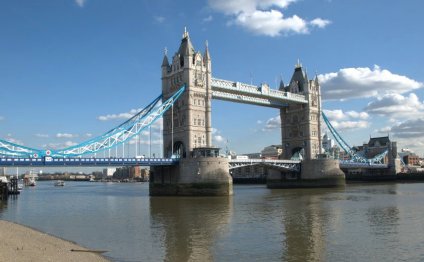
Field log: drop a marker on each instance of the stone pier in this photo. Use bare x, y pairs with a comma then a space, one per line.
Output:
201, 175
321, 172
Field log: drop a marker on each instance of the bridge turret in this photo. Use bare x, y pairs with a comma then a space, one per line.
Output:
300, 124
299, 79
191, 124
165, 63
281, 86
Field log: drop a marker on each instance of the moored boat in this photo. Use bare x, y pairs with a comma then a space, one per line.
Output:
59, 183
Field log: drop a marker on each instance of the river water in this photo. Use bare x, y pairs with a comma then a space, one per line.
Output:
361, 222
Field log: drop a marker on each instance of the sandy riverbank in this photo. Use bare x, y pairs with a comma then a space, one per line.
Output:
20, 243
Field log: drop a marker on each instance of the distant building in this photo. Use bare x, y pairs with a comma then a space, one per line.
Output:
2, 171
374, 147
108, 172
272, 152
409, 157
327, 143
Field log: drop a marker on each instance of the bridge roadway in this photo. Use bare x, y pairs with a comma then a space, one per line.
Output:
86, 161
293, 165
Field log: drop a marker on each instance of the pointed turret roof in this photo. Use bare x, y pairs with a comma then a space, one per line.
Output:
186, 47
165, 61
281, 87
206, 56
300, 77
316, 80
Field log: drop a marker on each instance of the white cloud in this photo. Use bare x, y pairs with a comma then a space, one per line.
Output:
272, 124
42, 135
59, 145
338, 114
397, 106
344, 125
264, 17
409, 129
217, 138
80, 3
320, 23
1, 118
384, 130
66, 135
207, 19
362, 82
271, 23
347, 120
10, 139
88, 135
159, 19
125, 116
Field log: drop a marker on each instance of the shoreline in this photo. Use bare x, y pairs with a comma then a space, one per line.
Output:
22, 243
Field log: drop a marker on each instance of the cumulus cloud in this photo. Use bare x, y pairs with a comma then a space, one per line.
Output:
42, 135
265, 17
80, 3
320, 23
59, 145
272, 124
207, 19
364, 82
384, 130
159, 19
397, 106
347, 120
338, 114
217, 137
66, 135
124, 116
11, 139
413, 128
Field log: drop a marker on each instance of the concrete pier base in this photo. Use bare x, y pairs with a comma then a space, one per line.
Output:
314, 173
206, 176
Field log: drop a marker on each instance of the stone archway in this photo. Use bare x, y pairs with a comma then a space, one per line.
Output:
179, 150
298, 153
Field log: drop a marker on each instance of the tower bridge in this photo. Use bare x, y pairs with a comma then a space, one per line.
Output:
191, 164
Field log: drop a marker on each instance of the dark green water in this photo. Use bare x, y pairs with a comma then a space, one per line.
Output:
380, 222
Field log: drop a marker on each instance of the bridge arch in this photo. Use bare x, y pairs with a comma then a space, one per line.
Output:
179, 150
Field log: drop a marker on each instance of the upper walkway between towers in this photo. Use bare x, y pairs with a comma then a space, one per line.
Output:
261, 95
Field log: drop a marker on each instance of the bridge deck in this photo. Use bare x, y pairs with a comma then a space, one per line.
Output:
250, 94
50, 161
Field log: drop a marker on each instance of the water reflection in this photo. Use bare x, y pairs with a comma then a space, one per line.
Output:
306, 218
3, 205
187, 228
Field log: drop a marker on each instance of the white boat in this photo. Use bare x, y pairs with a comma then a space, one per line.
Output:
59, 183
29, 179
3, 179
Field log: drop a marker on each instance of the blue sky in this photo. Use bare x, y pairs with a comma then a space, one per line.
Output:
73, 69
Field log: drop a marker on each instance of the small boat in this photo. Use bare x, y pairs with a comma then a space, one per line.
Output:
59, 183
30, 179
3, 179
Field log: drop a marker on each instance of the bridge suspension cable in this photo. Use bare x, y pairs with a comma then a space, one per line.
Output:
354, 155
112, 138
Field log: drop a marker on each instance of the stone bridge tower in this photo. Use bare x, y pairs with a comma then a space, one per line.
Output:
188, 124
300, 123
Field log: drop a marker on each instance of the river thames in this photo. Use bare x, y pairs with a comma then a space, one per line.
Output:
361, 222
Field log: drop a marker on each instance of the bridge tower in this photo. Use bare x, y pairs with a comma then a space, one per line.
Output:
187, 129
300, 123
188, 124
301, 137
